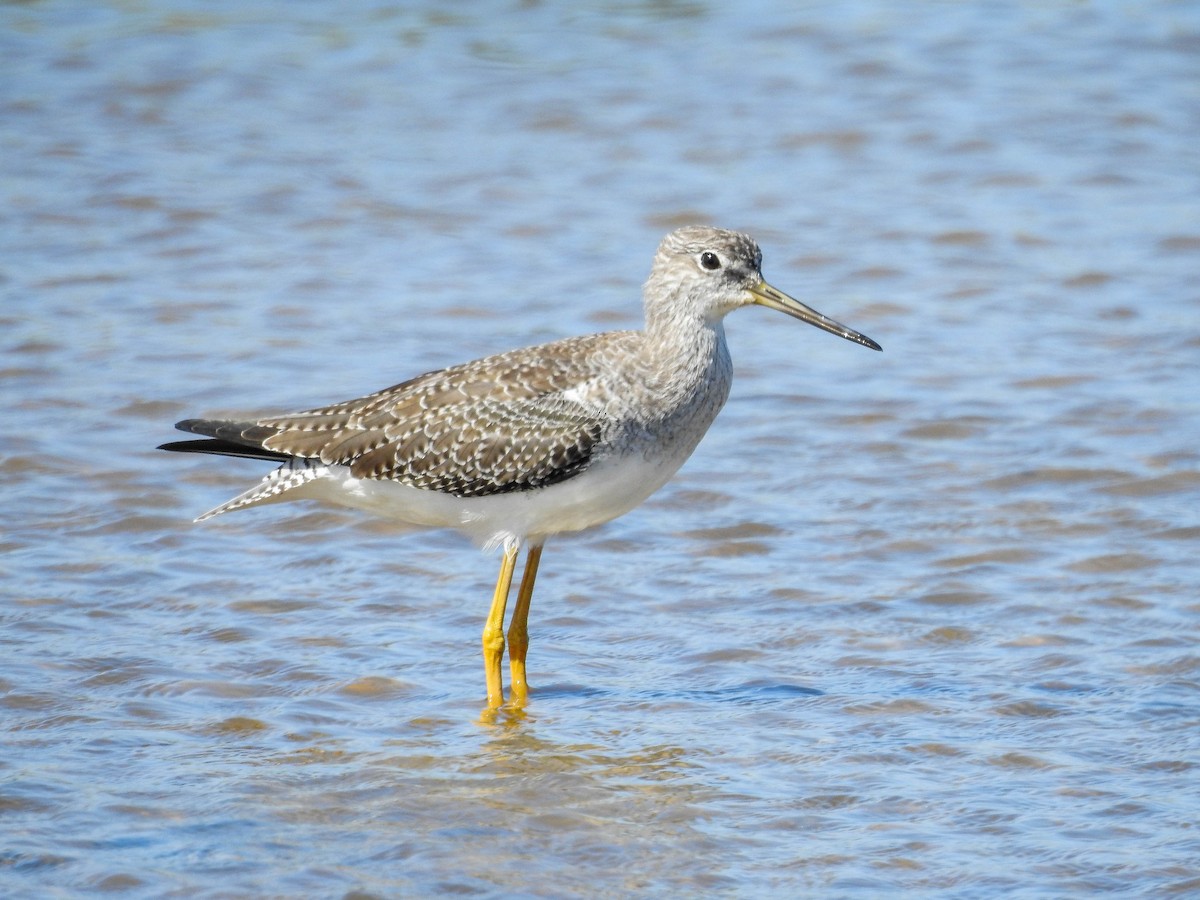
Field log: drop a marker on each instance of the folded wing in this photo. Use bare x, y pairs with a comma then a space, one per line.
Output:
505, 423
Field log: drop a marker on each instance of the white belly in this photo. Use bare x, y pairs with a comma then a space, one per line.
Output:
608, 489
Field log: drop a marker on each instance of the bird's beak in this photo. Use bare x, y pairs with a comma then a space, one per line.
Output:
765, 295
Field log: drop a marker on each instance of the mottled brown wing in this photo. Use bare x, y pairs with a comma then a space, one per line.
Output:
499, 424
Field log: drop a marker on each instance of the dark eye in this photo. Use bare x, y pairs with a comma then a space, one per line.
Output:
710, 261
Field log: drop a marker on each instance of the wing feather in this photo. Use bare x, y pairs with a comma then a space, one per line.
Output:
500, 424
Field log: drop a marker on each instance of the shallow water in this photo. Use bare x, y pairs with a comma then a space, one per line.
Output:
922, 621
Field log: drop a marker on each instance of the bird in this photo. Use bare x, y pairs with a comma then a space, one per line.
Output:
516, 448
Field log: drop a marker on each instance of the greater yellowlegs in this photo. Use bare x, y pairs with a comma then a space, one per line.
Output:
516, 447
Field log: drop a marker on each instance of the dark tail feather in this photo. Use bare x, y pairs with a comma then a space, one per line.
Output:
223, 448
225, 438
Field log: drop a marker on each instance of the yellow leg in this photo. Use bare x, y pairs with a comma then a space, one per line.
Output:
493, 630
518, 629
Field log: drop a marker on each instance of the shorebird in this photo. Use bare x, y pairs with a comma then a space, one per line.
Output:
514, 448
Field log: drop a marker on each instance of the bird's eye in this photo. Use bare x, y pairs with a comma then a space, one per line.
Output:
710, 261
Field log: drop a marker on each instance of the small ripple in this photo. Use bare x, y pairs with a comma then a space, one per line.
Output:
1020, 761
238, 725
1029, 709
949, 429
374, 687
901, 706
1157, 486
949, 634
1113, 562
955, 598
750, 692
32, 862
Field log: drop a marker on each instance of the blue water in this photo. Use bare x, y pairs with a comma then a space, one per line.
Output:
921, 622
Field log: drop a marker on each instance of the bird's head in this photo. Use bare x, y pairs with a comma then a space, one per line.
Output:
708, 272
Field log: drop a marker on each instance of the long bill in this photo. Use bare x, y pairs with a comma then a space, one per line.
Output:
772, 298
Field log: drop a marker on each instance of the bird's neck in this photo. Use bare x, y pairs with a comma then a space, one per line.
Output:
676, 325
682, 350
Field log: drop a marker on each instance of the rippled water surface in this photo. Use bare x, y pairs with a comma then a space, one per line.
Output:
922, 621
